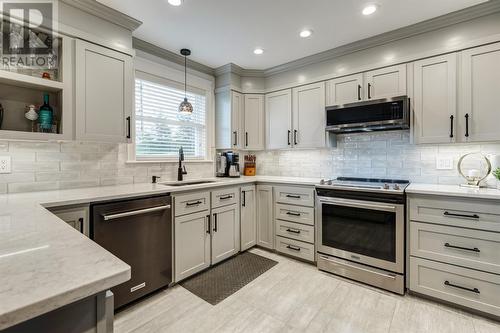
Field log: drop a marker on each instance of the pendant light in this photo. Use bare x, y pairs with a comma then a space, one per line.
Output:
185, 107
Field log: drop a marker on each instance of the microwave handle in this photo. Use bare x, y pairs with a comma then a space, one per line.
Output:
357, 204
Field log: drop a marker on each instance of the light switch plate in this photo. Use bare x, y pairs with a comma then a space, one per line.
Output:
5, 164
444, 163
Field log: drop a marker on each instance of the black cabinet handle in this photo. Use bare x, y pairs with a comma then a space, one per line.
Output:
246, 139
193, 203
293, 231
451, 125
369, 91
293, 196
291, 247
473, 216
244, 201
293, 214
359, 92
215, 222
474, 290
209, 224
128, 128
235, 138
295, 137
466, 125
80, 220
226, 197
288, 137
462, 248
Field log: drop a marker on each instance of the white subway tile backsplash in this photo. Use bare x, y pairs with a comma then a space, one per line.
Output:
32, 187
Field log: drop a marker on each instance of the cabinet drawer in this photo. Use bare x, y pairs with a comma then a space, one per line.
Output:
458, 212
296, 231
297, 214
295, 248
225, 196
303, 196
191, 203
466, 287
465, 247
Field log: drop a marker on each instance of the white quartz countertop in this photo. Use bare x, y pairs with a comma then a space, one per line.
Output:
46, 264
454, 191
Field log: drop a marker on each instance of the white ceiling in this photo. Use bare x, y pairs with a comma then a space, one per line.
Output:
223, 31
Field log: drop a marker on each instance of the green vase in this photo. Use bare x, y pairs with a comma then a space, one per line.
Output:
46, 115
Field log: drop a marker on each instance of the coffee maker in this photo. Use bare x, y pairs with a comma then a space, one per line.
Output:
228, 164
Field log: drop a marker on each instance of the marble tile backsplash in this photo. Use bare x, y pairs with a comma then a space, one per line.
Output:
52, 165
378, 155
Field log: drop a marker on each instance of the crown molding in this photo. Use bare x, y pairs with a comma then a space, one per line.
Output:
467, 14
104, 12
152, 49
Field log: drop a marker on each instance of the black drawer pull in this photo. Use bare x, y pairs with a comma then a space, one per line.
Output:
293, 214
466, 125
359, 92
193, 203
235, 138
462, 248
209, 224
226, 197
473, 216
244, 199
215, 222
291, 247
474, 290
293, 196
293, 231
451, 126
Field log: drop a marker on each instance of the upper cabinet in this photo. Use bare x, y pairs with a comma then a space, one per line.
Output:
103, 94
309, 117
254, 122
343, 90
279, 119
386, 82
237, 107
435, 99
480, 82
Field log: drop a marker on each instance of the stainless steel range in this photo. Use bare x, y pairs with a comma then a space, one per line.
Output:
361, 230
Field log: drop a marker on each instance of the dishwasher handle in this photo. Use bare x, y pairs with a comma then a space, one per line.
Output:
135, 212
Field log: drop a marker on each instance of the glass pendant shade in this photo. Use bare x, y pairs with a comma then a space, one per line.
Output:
186, 107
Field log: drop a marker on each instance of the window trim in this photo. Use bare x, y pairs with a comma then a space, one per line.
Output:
166, 75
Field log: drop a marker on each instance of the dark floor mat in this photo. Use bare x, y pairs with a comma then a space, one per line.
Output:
226, 278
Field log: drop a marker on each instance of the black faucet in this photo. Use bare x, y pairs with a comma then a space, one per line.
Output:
181, 171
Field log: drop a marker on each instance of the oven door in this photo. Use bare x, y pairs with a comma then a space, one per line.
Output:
371, 233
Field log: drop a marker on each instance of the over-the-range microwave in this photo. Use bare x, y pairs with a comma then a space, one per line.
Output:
374, 115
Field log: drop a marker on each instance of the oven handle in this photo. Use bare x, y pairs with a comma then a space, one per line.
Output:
357, 204
357, 267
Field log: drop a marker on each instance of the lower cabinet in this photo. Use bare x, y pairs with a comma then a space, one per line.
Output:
265, 229
192, 244
248, 223
77, 217
225, 232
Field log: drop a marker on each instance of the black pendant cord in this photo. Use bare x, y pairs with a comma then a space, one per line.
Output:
185, 77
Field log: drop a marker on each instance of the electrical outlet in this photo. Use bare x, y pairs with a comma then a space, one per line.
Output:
444, 163
5, 164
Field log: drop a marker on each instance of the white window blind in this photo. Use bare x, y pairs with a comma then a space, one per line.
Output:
161, 129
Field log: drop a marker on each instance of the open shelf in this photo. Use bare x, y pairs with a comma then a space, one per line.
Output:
26, 81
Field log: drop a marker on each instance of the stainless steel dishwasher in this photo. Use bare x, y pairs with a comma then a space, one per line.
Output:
139, 232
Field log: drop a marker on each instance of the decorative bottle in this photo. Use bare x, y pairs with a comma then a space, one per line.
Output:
45, 115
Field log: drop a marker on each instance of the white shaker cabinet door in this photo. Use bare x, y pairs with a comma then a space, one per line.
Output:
343, 90
225, 232
480, 84
253, 137
104, 88
279, 119
386, 82
192, 244
237, 111
435, 99
309, 116
265, 225
248, 213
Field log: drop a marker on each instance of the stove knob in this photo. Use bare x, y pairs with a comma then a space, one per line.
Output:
329, 182
322, 182
396, 187
386, 186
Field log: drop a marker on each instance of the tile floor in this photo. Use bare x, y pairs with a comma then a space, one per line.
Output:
296, 297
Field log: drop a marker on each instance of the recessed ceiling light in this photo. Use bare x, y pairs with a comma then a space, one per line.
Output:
175, 2
370, 9
306, 33
258, 51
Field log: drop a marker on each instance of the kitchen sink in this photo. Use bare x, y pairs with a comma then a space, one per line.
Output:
187, 182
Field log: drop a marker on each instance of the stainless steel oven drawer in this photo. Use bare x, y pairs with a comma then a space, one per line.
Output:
297, 214
459, 246
296, 231
457, 212
295, 248
466, 287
